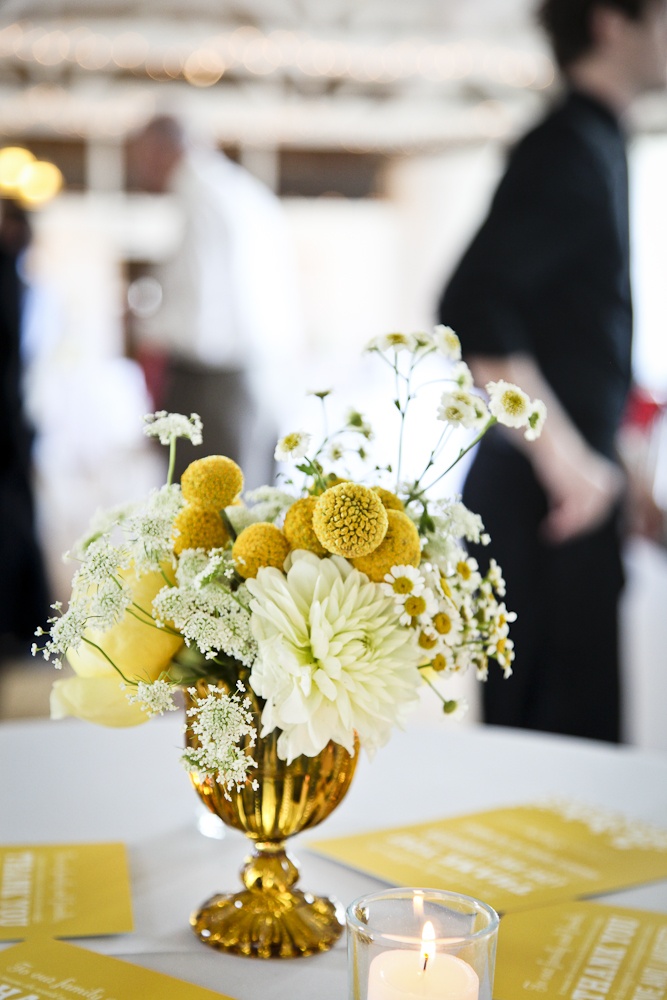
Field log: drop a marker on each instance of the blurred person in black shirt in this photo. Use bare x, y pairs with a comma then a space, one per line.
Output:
23, 588
542, 298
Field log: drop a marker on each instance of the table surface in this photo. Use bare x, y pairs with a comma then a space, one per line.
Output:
64, 782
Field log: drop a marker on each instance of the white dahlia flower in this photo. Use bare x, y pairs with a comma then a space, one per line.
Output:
333, 658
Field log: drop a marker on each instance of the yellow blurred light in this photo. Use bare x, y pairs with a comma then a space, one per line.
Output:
38, 182
13, 161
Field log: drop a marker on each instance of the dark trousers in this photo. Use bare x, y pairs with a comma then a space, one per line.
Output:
566, 670
232, 425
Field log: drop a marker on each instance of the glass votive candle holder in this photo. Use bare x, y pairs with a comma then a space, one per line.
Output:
420, 944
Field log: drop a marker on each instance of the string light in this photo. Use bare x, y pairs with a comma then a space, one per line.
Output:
260, 54
27, 180
13, 160
39, 182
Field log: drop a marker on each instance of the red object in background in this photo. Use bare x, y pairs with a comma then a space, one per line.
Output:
154, 366
641, 409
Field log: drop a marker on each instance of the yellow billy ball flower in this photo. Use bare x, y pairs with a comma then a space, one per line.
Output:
349, 520
401, 547
298, 526
259, 545
198, 528
214, 481
389, 499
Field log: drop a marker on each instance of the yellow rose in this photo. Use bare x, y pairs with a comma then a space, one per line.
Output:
95, 699
140, 650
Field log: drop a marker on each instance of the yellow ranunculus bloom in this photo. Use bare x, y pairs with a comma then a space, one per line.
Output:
140, 650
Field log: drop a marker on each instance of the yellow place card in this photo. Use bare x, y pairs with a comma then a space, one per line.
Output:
582, 951
51, 970
513, 858
64, 890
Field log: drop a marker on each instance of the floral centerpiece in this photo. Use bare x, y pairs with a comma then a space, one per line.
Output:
309, 615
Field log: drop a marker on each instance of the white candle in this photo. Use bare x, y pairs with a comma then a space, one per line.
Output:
411, 975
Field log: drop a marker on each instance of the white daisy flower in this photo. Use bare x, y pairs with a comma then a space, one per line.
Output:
462, 376
335, 451
292, 446
509, 404
494, 575
456, 709
447, 623
423, 342
536, 418
447, 342
419, 608
401, 581
458, 408
396, 342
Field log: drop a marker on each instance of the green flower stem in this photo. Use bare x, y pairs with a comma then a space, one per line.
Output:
109, 660
464, 451
172, 459
315, 472
431, 684
432, 456
151, 623
231, 531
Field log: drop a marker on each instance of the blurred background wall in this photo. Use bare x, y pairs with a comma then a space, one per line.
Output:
382, 126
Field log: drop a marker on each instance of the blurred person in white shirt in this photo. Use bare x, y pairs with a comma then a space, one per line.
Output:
228, 322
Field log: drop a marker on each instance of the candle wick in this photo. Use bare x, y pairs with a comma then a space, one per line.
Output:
425, 962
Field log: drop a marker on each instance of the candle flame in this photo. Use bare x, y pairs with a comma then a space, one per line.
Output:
428, 943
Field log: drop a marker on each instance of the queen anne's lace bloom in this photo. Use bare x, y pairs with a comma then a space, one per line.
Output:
153, 699
167, 426
333, 659
221, 722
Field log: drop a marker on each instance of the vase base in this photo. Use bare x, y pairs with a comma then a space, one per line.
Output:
264, 924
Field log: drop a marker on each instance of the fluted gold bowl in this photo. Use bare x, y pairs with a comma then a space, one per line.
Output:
270, 917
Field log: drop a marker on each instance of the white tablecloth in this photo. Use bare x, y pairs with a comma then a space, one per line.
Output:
71, 782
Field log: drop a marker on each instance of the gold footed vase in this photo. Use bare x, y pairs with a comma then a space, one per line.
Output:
270, 917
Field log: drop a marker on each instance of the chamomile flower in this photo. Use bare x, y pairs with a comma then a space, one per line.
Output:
462, 376
418, 609
292, 447
536, 418
356, 421
457, 407
402, 581
395, 342
495, 577
502, 650
447, 342
509, 404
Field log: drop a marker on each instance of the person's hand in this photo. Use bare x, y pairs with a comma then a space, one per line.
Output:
582, 492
